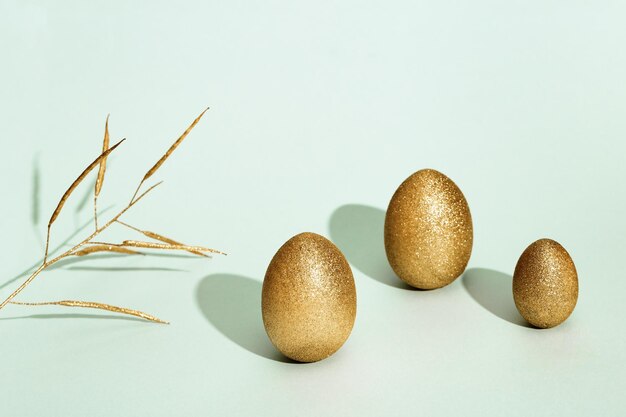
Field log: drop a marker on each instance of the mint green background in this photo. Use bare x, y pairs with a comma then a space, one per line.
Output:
318, 111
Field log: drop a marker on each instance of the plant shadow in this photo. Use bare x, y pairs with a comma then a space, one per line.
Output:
358, 230
232, 304
68, 262
36, 264
36, 191
493, 290
125, 269
63, 263
74, 316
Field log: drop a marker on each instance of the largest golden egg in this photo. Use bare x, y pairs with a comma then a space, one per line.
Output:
308, 299
428, 230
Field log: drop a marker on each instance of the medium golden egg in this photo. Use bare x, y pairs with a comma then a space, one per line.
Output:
545, 284
309, 298
428, 230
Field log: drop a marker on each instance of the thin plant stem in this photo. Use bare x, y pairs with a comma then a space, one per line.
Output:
45, 256
95, 211
136, 191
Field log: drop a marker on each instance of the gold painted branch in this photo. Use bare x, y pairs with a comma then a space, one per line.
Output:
88, 246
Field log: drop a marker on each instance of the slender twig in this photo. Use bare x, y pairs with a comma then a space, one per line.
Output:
95, 211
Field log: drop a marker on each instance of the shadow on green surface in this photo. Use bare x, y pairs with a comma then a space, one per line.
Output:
67, 262
493, 290
74, 316
36, 191
35, 265
125, 269
358, 230
232, 303
86, 197
74, 260
64, 263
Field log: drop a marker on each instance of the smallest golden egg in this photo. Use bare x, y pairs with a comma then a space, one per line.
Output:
545, 284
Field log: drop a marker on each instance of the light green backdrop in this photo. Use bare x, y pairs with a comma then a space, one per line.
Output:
318, 111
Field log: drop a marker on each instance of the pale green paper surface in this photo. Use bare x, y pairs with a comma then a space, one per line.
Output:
318, 112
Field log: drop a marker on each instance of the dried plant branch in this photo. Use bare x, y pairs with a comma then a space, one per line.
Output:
100, 306
88, 246
169, 152
101, 171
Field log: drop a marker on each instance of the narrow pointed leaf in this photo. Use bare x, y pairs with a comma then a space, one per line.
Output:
152, 245
100, 306
105, 248
172, 148
103, 161
78, 180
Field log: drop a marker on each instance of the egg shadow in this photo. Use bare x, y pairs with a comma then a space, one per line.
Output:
493, 290
358, 230
232, 304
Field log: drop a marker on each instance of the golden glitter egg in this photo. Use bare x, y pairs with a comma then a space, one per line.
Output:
545, 284
309, 298
428, 230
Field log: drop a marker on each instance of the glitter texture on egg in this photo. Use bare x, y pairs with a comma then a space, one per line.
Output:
545, 284
308, 298
428, 230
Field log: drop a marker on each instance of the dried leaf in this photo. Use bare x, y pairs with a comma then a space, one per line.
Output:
170, 241
172, 148
151, 245
78, 180
157, 236
101, 306
103, 161
105, 248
